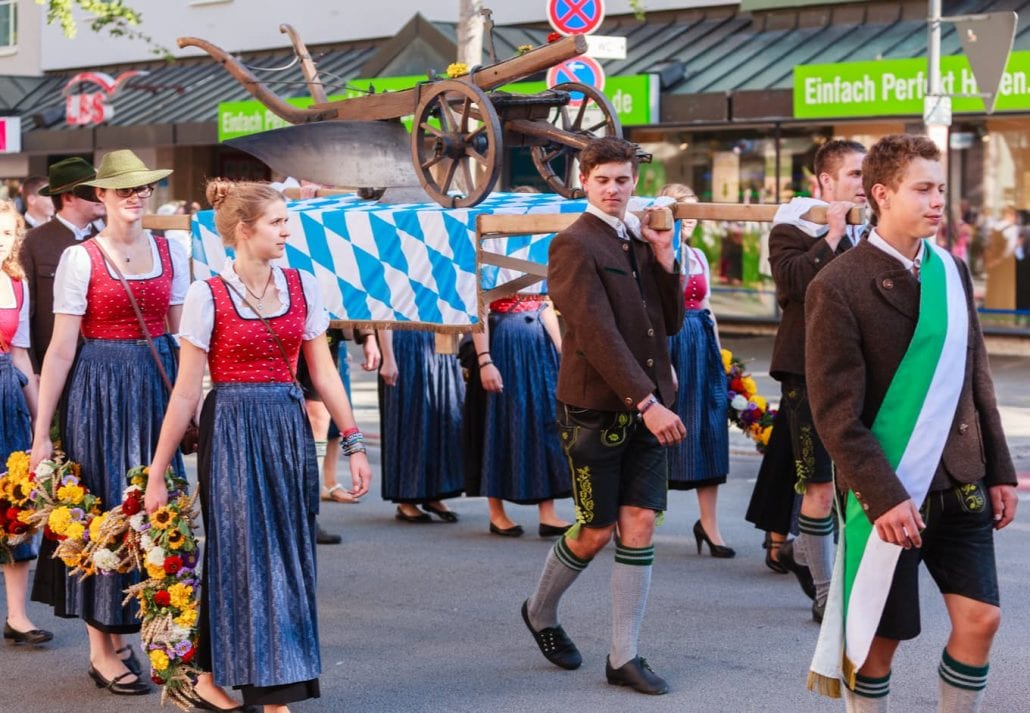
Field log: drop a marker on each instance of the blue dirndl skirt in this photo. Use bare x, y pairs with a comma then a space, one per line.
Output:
259, 496
15, 431
523, 460
116, 402
703, 457
421, 422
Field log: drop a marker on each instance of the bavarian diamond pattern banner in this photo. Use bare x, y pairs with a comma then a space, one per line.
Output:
409, 263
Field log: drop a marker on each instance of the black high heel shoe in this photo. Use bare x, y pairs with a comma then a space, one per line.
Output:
131, 662
720, 551
774, 564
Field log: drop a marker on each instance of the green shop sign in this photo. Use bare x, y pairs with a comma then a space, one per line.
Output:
895, 87
635, 99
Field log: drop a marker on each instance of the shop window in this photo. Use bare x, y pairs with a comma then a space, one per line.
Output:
8, 24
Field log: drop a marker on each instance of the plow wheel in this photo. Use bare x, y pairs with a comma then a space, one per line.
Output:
456, 143
593, 118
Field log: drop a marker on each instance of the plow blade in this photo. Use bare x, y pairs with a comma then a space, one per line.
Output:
351, 154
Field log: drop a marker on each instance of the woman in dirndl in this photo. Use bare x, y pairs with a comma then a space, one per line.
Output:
116, 396
258, 623
511, 393
420, 397
18, 399
700, 462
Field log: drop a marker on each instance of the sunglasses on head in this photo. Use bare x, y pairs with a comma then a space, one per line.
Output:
141, 191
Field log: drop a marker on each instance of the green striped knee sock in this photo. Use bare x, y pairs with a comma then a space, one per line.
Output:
560, 571
815, 540
961, 687
631, 581
871, 695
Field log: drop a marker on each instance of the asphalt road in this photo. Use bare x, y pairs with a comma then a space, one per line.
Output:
425, 617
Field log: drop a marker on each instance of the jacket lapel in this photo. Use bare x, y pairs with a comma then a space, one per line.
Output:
900, 289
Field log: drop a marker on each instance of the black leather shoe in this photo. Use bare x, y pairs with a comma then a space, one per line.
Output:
405, 517
817, 611
552, 530
554, 643
442, 513
202, 704
637, 675
513, 531
131, 662
135, 688
327, 538
36, 636
800, 571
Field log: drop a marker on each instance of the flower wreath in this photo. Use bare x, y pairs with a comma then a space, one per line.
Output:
119, 540
748, 410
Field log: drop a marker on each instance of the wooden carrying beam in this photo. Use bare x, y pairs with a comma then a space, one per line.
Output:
539, 223
167, 222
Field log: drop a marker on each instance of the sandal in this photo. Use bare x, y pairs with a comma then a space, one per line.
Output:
337, 494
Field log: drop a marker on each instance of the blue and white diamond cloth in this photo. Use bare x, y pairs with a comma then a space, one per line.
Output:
383, 264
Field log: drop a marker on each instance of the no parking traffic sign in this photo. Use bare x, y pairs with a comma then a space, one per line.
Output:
582, 69
575, 17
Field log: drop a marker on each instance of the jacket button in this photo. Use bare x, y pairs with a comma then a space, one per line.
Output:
650, 332
888, 284
963, 427
625, 247
629, 401
858, 495
649, 362
865, 506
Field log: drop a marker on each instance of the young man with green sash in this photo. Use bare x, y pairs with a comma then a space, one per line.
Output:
901, 394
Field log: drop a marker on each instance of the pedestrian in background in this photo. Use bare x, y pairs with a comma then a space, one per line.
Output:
17, 409
258, 624
420, 397
701, 461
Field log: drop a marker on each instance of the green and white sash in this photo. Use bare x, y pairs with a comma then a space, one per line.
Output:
912, 427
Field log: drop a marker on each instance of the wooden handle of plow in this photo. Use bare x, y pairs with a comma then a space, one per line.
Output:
166, 222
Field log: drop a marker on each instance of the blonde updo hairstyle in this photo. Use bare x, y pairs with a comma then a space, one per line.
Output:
680, 192
11, 264
238, 203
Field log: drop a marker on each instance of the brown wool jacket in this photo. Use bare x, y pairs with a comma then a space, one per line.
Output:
40, 254
795, 259
862, 312
615, 350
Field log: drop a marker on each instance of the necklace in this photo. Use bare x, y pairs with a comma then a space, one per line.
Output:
260, 298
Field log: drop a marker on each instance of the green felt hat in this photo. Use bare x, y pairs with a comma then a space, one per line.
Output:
124, 169
66, 175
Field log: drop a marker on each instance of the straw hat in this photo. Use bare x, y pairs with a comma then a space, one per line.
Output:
124, 169
66, 175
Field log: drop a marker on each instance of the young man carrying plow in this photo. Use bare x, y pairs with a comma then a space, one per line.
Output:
901, 394
616, 282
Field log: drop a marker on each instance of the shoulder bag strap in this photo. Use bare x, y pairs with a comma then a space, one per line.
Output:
268, 326
139, 313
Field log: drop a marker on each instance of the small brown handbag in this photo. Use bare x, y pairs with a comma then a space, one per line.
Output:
188, 444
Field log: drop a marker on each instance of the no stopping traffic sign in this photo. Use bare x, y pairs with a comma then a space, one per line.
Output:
575, 17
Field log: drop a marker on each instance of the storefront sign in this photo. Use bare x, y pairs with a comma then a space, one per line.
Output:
87, 108
635, 99
895, 87
10, 134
